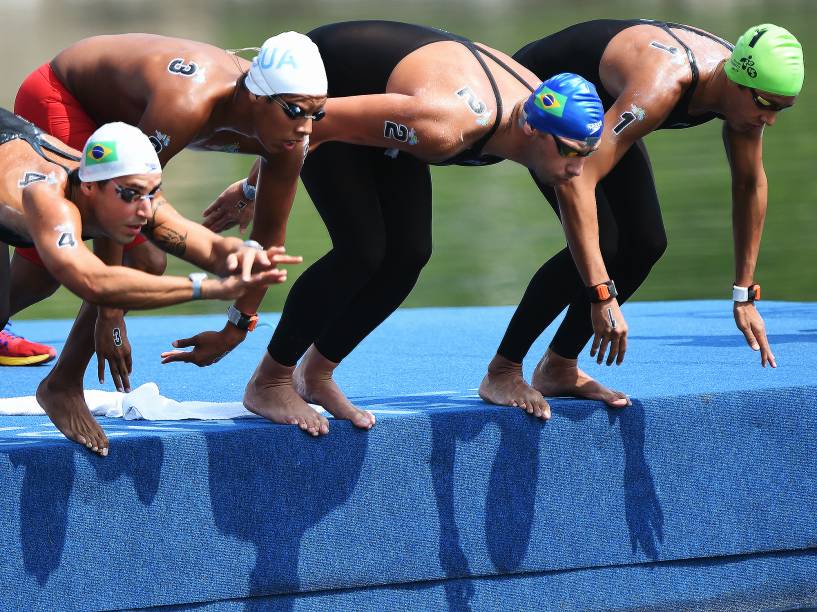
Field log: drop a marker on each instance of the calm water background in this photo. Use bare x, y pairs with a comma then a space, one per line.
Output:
492, 229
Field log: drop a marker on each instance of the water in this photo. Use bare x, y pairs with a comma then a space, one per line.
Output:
492, 229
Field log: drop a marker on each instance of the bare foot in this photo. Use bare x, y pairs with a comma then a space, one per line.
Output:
313, 382
270, 394
65, 406
504, 385
556, 376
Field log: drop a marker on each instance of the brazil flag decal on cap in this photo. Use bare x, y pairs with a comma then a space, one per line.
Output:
566, 105
550, 101
100, 153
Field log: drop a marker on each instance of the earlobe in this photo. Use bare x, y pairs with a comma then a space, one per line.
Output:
527, 129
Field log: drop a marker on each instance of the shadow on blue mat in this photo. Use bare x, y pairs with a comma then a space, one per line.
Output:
645, 519
510, 503
510, 498
732, 340
47, 488
291, 493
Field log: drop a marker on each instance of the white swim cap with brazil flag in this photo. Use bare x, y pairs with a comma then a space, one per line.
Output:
117, 149
289, 63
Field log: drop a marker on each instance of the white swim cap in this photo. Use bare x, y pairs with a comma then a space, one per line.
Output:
288, 63
117, 149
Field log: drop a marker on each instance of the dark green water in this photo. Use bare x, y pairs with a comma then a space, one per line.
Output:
491, 227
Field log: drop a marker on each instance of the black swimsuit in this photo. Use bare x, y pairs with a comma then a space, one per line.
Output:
14, 127
376, 208
579, 49
360, 56
631, 231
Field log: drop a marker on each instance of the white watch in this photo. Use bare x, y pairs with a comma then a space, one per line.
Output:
197, 278
746, 294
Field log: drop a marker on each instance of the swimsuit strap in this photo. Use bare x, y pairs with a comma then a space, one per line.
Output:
478, 52
39, 144
477, 147
704, 33
693, 65
54, 149
13, 127
510, 70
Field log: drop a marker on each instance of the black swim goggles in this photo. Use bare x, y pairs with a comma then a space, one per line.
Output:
129, 194
765, 104
293, 111
565, 150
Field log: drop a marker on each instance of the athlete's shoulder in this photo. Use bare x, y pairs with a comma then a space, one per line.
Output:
19, 144
33, 173
645, 58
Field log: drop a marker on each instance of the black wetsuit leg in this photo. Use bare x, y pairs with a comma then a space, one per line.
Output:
632, 240
5, 285
378, 213
404, 191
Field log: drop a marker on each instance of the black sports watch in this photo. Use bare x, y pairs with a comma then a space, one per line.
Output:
601, 292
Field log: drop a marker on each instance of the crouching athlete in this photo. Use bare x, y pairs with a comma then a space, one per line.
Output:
52, 199
402, 97
650, 75
182, 94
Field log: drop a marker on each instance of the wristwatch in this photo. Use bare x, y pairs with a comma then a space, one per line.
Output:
601, 292
248, 190
197, 278
242, 321
746, 294
253, 244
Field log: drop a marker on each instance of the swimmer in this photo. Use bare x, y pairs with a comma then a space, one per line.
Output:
53, 198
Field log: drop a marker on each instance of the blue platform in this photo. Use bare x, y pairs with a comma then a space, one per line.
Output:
702, 495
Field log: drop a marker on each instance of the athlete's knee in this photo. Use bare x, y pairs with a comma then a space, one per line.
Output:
652, 247
412, 257
29, 283
644, 248
147, 258
32, 293
609, 253
363, 255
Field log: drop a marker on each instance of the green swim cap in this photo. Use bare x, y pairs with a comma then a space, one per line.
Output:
769, 58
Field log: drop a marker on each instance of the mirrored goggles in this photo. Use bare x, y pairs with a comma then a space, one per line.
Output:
293, 111
129, 194
566, 150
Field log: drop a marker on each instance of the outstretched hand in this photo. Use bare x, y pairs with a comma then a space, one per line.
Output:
208, 347
233, 287
229, 209
749, 321
248, 258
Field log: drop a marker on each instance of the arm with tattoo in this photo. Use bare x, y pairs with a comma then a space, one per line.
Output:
167, 238
55, 226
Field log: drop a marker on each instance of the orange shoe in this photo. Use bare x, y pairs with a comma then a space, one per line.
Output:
17, 351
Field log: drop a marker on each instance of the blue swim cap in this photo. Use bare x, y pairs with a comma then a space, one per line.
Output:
566, 105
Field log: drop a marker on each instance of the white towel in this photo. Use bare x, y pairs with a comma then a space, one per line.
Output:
143, 403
